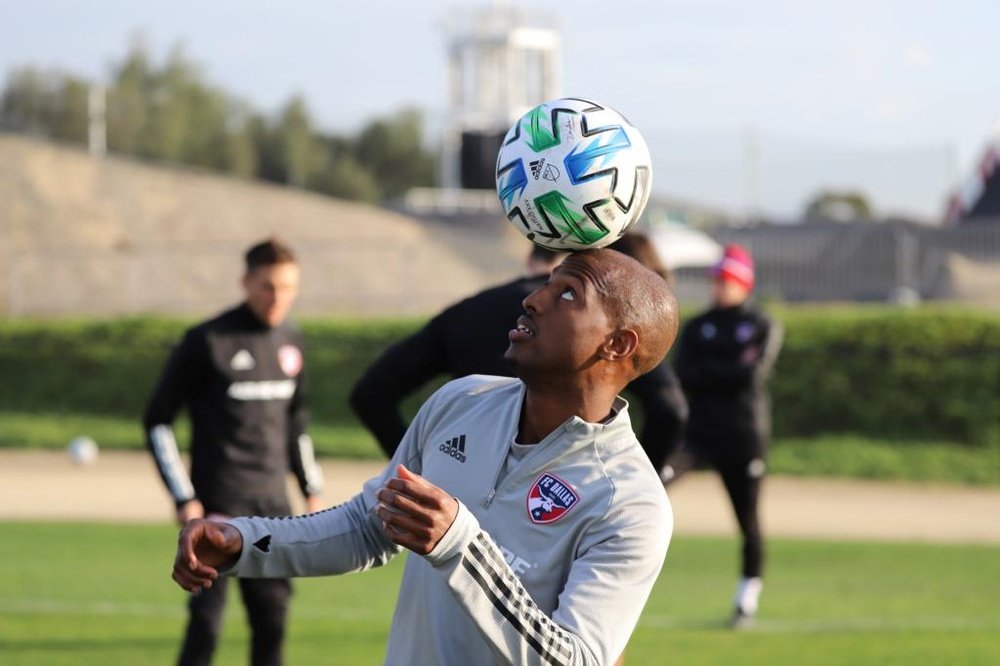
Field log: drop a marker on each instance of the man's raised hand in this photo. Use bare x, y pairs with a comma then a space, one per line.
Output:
415, 512
203, 547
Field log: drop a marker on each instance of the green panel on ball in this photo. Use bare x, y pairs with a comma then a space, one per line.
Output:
541, 134
556, 207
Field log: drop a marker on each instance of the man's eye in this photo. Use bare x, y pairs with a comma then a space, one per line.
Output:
568, 295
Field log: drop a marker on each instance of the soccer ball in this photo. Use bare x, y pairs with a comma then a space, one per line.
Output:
573, 174
82, 450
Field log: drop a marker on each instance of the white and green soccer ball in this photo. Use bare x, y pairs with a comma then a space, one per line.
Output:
573, 174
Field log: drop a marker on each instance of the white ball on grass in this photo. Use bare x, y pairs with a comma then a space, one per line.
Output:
82, 450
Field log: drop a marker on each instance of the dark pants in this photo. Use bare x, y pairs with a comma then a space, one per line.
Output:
742, 478
665, 412
266, 601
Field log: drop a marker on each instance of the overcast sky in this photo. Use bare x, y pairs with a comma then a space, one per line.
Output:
746, 105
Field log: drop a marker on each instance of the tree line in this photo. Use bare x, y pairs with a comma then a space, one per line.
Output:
168, 112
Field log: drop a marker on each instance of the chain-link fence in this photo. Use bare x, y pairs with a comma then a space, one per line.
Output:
893, 262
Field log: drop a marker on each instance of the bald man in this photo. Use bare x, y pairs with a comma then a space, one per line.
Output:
537, 524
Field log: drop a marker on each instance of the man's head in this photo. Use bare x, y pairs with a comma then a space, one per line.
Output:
271, 281
601, 313
732, 277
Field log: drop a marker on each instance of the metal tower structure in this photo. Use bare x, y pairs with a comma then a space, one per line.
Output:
502, 61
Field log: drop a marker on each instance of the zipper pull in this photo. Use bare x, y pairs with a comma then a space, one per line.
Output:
490, 496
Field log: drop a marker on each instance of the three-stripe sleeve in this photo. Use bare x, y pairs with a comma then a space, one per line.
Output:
510, 600
517, 629
311, 475
168, 461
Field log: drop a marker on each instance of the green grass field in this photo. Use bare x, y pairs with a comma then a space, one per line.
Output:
101, 594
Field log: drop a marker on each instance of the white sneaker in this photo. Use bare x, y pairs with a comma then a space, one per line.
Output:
741, 619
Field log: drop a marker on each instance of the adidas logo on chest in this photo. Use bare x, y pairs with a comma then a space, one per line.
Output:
242, 361
455, 447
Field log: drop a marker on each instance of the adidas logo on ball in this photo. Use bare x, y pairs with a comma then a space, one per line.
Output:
540, 169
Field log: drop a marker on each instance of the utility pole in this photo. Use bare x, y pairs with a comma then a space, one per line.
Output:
97, 127
751, 174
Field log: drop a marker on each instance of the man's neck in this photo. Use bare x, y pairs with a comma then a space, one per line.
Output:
545, 410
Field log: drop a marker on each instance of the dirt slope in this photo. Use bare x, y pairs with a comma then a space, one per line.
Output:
104, 236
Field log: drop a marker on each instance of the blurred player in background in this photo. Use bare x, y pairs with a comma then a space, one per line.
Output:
658, 392
724, 360
467, 338
536, 524
241, 377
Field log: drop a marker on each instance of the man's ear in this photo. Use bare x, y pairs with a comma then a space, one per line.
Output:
621, 344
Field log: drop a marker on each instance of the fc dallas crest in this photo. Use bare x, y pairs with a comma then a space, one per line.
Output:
549, 499
290, 360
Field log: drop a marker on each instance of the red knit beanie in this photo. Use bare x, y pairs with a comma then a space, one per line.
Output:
736, 265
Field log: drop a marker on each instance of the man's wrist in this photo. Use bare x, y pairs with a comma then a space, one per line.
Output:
462, 531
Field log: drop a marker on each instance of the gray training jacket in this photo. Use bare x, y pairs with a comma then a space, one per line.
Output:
551, 565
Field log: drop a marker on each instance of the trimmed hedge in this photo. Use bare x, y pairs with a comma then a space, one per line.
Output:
109, 367
925, 374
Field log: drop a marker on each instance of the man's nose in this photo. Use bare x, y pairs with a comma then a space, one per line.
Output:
529, 302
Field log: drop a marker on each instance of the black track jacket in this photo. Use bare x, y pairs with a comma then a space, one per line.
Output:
467, 338
730, 409
243, 384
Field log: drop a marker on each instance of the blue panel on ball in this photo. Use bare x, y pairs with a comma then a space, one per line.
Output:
511, 181
582, 163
